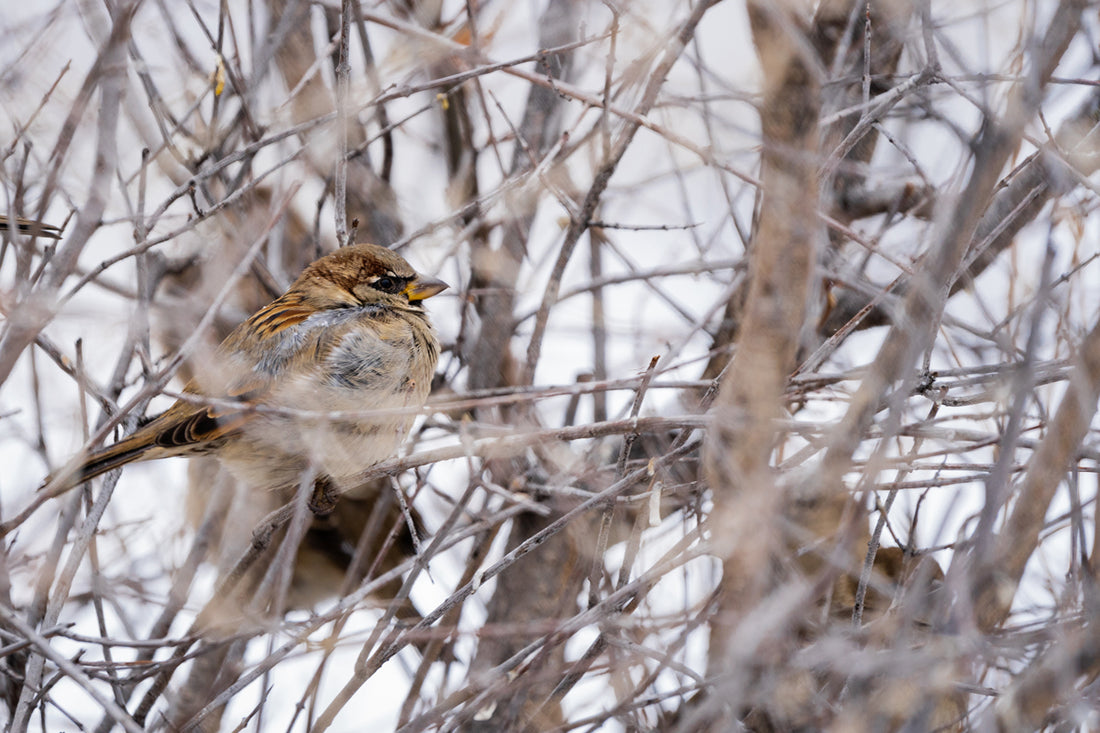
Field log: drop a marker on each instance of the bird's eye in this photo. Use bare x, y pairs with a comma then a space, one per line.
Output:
388, 284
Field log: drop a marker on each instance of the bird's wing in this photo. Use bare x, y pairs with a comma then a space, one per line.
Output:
190, 427
248, 380
184, 428
288, 310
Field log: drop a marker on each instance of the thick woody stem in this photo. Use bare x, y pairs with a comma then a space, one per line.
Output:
751, 399
998, 571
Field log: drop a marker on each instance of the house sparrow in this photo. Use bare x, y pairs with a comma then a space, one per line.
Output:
29, 226
349, 336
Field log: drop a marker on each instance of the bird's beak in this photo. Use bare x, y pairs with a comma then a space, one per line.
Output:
421, 289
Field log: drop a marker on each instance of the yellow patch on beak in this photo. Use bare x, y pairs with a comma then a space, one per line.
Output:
424, 289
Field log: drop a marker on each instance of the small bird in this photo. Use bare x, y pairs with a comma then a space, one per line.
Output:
293, 387
29, 226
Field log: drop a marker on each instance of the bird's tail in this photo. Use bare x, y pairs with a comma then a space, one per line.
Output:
30, 226
86, 467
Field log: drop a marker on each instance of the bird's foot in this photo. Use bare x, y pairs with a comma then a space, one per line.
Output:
324, 497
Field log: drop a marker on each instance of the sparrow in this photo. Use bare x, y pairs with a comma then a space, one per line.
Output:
288, 396
29, 226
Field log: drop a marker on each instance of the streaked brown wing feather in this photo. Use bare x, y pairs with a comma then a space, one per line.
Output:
278, 315
30, 226
187, 427
200, 431
184, 428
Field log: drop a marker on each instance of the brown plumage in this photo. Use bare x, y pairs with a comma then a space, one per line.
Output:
30, 226
293, 387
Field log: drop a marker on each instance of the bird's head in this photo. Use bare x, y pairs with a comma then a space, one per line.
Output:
366, 274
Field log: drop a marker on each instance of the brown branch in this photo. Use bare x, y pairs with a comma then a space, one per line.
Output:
996, 577
343, 79
752, 395
36, 308
578, 222
1051, 172
913, 329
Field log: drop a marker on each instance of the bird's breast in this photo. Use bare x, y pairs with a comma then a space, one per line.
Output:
343, 394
